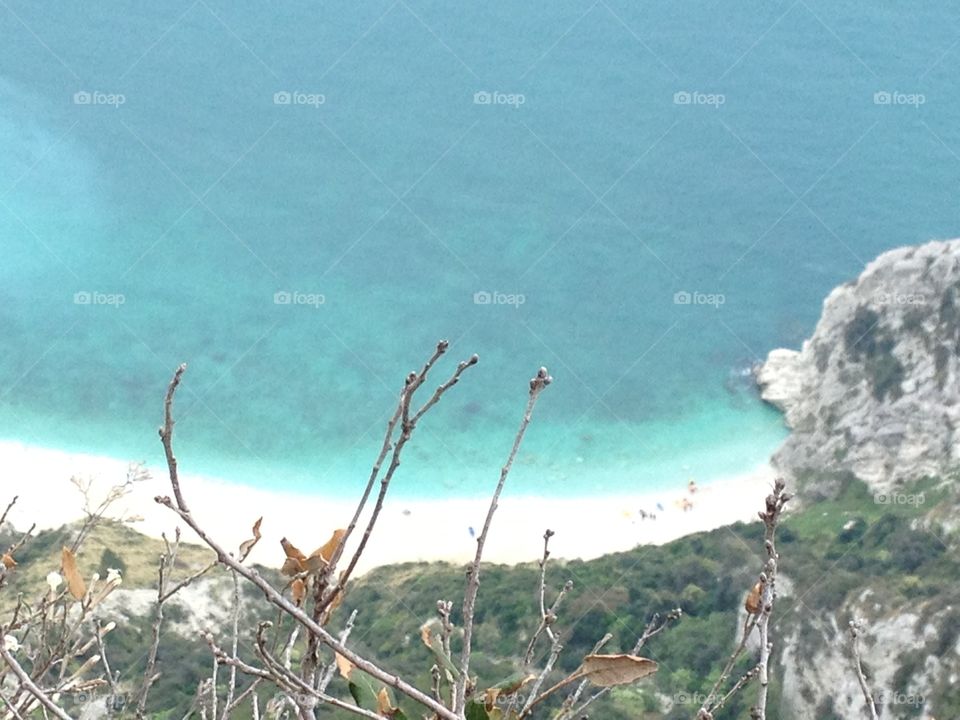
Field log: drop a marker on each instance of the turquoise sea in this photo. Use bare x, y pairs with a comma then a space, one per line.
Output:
300, 199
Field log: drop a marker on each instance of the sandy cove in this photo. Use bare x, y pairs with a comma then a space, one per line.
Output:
407, 530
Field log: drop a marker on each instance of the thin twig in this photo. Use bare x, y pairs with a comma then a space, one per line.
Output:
28, 684
11, 707
547, 618
710, 703
150, 675
271, 593
102, 651
654, 627
3, 518
856, 627
537, 386
278, 600
332, 665
300, 688
166, 435
768, 578
441, 348
188, 581
235, 636
414, 381
737, 686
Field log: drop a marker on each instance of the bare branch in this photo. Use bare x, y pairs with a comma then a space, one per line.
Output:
3, 518
166, 436
711, 702
547, 617
856, 627
102, 651
537, 385
170, 592
771, 517
332, 665
28, 684
235, 638
271, 593
654, 627
384, 449
737, 686
150, 675
413, 383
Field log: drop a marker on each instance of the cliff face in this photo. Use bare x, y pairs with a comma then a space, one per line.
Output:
874, 391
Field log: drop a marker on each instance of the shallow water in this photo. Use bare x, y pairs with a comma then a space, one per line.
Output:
746, 156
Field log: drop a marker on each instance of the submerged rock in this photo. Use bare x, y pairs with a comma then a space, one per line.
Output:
874, 391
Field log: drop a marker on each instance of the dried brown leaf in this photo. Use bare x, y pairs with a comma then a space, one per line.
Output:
75, 583
426, 632
752, 603
296, 560
384, 706
247, 545
611, 670
344, 666
291, 567
8, 561
299, 591
320, 557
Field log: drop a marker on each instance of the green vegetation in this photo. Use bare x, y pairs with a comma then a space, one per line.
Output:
110, 545
831, 552
867, 340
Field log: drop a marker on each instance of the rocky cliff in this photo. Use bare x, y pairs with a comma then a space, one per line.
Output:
874, 391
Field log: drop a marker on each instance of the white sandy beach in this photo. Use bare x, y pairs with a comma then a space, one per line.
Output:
408, 530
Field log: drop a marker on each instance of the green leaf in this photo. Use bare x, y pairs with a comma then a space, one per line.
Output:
442, 658
476, 711
363, 693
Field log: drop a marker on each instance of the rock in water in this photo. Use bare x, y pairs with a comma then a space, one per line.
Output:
874, 391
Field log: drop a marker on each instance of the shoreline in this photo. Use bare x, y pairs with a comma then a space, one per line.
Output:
407, 531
